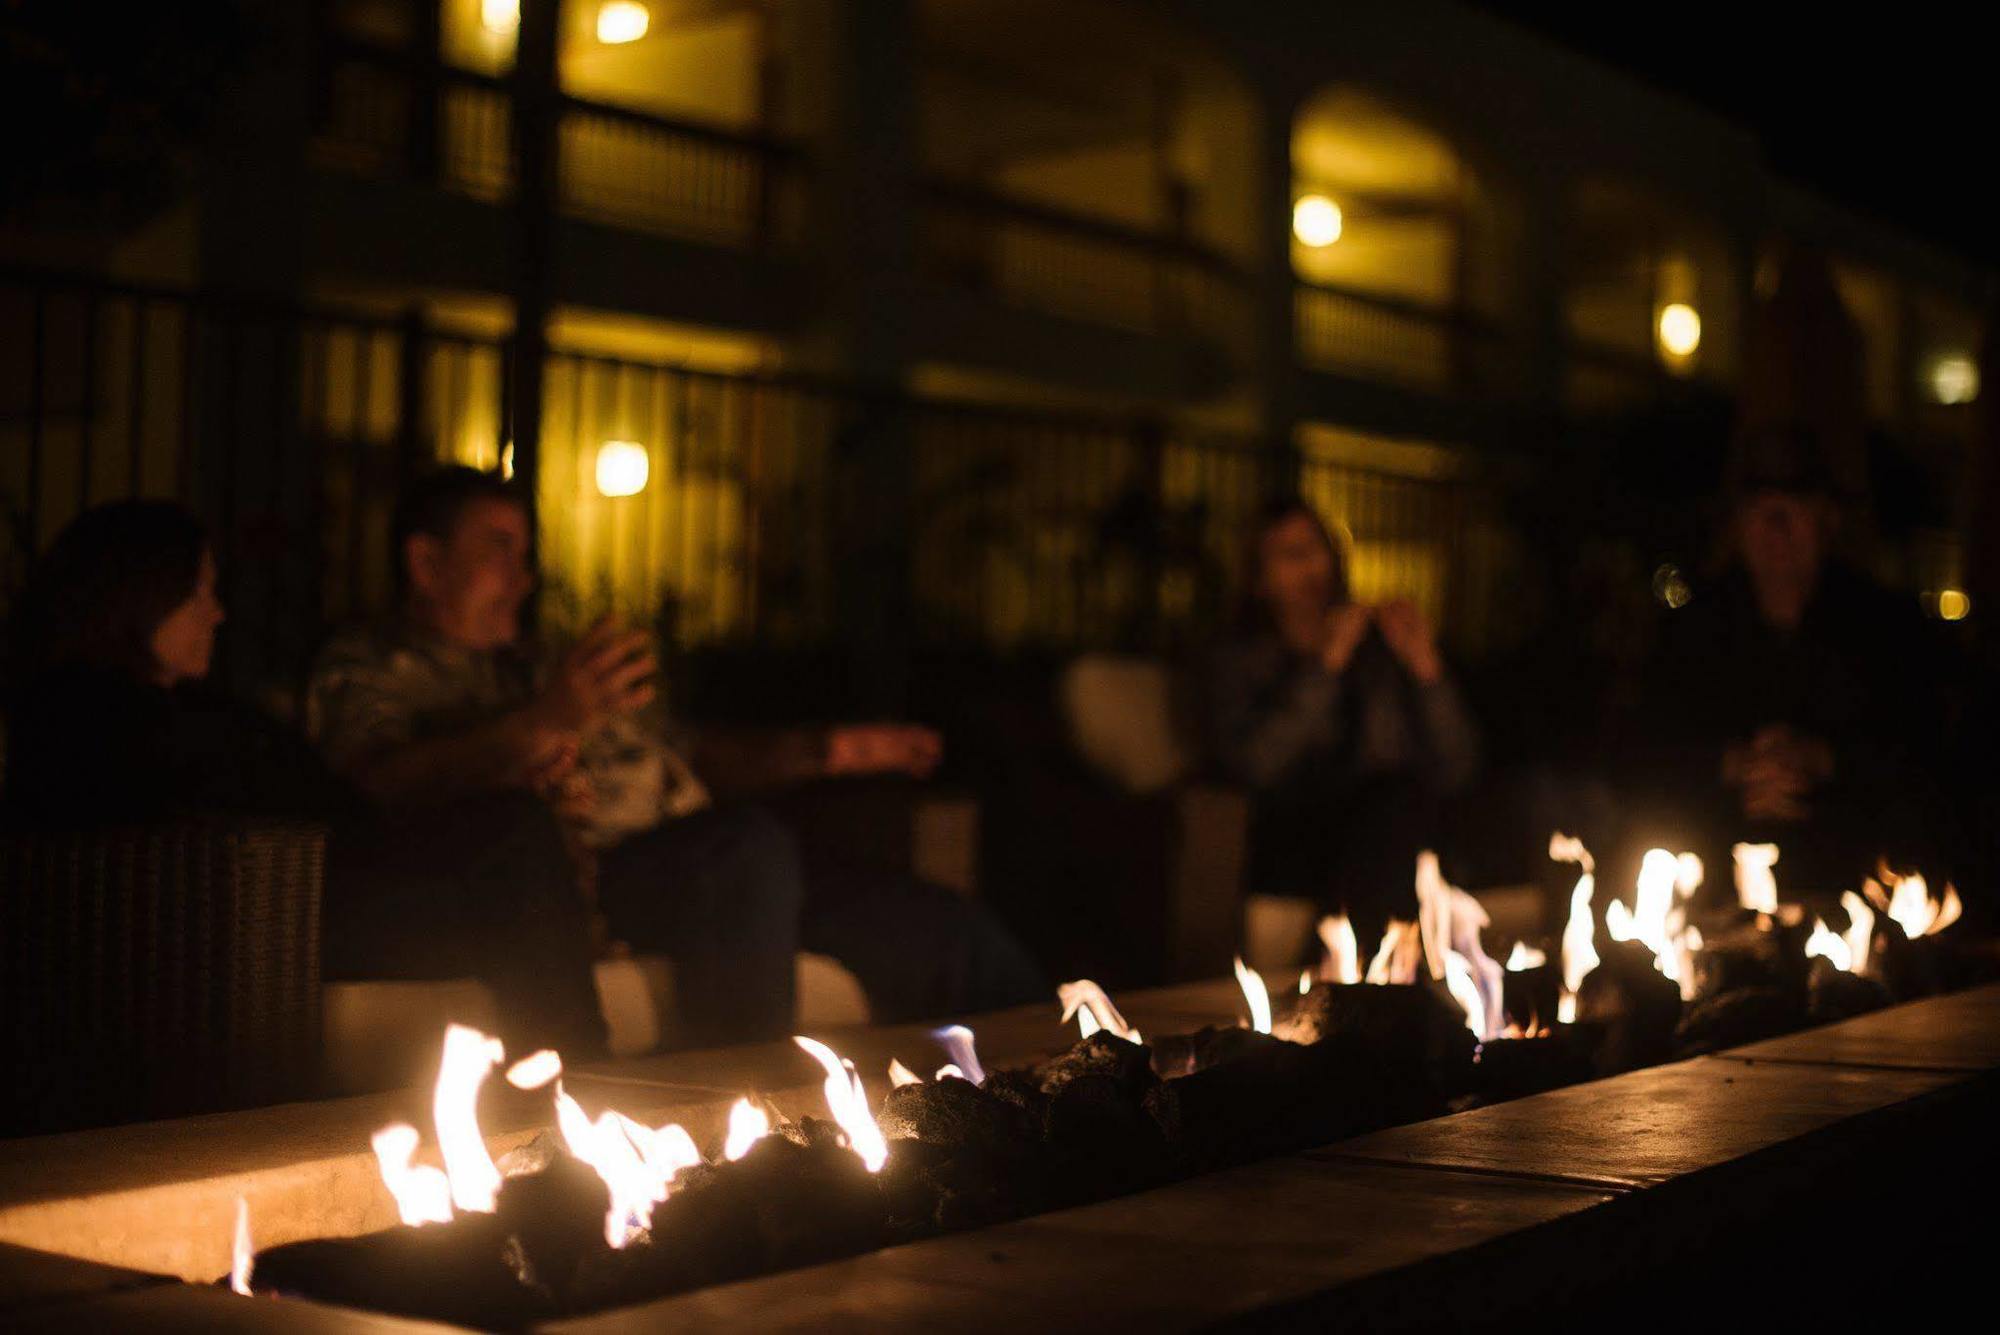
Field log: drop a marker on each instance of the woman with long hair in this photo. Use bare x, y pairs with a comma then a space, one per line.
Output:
1342, 721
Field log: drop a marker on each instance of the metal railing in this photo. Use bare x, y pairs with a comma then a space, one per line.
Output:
385, 112
1070, 264
775, 511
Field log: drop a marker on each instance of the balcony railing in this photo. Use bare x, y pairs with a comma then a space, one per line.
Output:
1068, 264
1374, 337
387, 114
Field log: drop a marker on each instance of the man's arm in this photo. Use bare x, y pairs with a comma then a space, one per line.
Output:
515, 750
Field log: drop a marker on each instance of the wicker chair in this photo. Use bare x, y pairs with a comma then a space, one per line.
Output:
157, 970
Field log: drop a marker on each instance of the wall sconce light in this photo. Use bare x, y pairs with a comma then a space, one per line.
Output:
622, 21
500, 15
1679, 329
1316, 221
622, 468
1954, 378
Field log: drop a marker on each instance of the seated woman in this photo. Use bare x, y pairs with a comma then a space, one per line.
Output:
1341, 720
110, 721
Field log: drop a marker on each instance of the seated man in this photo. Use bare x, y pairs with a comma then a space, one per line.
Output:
1793, 701
443, 703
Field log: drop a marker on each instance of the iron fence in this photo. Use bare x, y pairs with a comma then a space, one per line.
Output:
773, 511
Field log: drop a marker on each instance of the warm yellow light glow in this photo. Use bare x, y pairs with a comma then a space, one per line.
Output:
1316, 220
1954, 378
499, 15
1953, 604
1680, 329
622, 468
507, 462
622, 21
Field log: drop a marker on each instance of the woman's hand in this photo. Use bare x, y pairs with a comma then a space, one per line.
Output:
1345, 625
883, 748
1409, 638
607, 673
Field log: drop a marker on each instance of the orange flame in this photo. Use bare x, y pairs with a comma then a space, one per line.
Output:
1525, 956
1093, 1011
748, 1124
848, 1103
1343, 955
1579, 950
1255, 996
900, 1075
1397, 957
468, 1056
243, 1256
1909, 905
423, 1193
1756, 886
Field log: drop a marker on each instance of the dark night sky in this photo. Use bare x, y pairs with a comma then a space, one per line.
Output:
1890, 109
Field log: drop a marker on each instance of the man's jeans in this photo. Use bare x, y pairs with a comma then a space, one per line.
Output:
723, 893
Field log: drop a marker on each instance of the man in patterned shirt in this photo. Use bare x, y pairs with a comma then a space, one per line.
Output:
443, 703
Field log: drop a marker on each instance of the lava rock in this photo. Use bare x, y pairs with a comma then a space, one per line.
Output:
1731, 1019
556, 1216
457, 1272
1129, 1066
1178, 1055
1414, 1029
1635, 1007
1832, 994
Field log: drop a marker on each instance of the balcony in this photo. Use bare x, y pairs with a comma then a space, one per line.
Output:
386, 115
1370, 337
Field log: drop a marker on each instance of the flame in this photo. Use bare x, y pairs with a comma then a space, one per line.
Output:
1909, 904
1093, 1010
1464, 989
900, 1075
607, 1145
1396, 959
1255, 997
1343, 956
1305, 982
1659, 920
243, 1256
748, 1124
1451, 921
957, 1041
423, 1194
1579, 948
949, 1071
665, 1150
535, 1070
1525, 956
1569, 848
1829, 947
468, 1056
1860, 933
848, 1103
1756, 887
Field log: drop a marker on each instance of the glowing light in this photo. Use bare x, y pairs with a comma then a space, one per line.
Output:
243, 1256
635, 1186
1092, 1010
507, 462
423, 1194
1680, 329
622, 468
1954, 378
1909, 905
1823, 944
1343, 956
1305, 982
957, 1042
1860, 931
1525, 956
535, 1070
900, 1075
1464, 989
1450, 921
500, 15
1953, 605
848, 1103
621, 21
1579, 948
1397, 957
1658, 920
1670, 586
1756, 887
468, 1056
748, 1124
1317, 221
1255, 996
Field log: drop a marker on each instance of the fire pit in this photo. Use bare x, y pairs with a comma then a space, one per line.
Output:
633, 1188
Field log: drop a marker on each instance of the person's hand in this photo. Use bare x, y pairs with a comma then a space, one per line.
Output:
573, 798
547, 759
1409, 638
883, 748
607, 673
1345, 625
